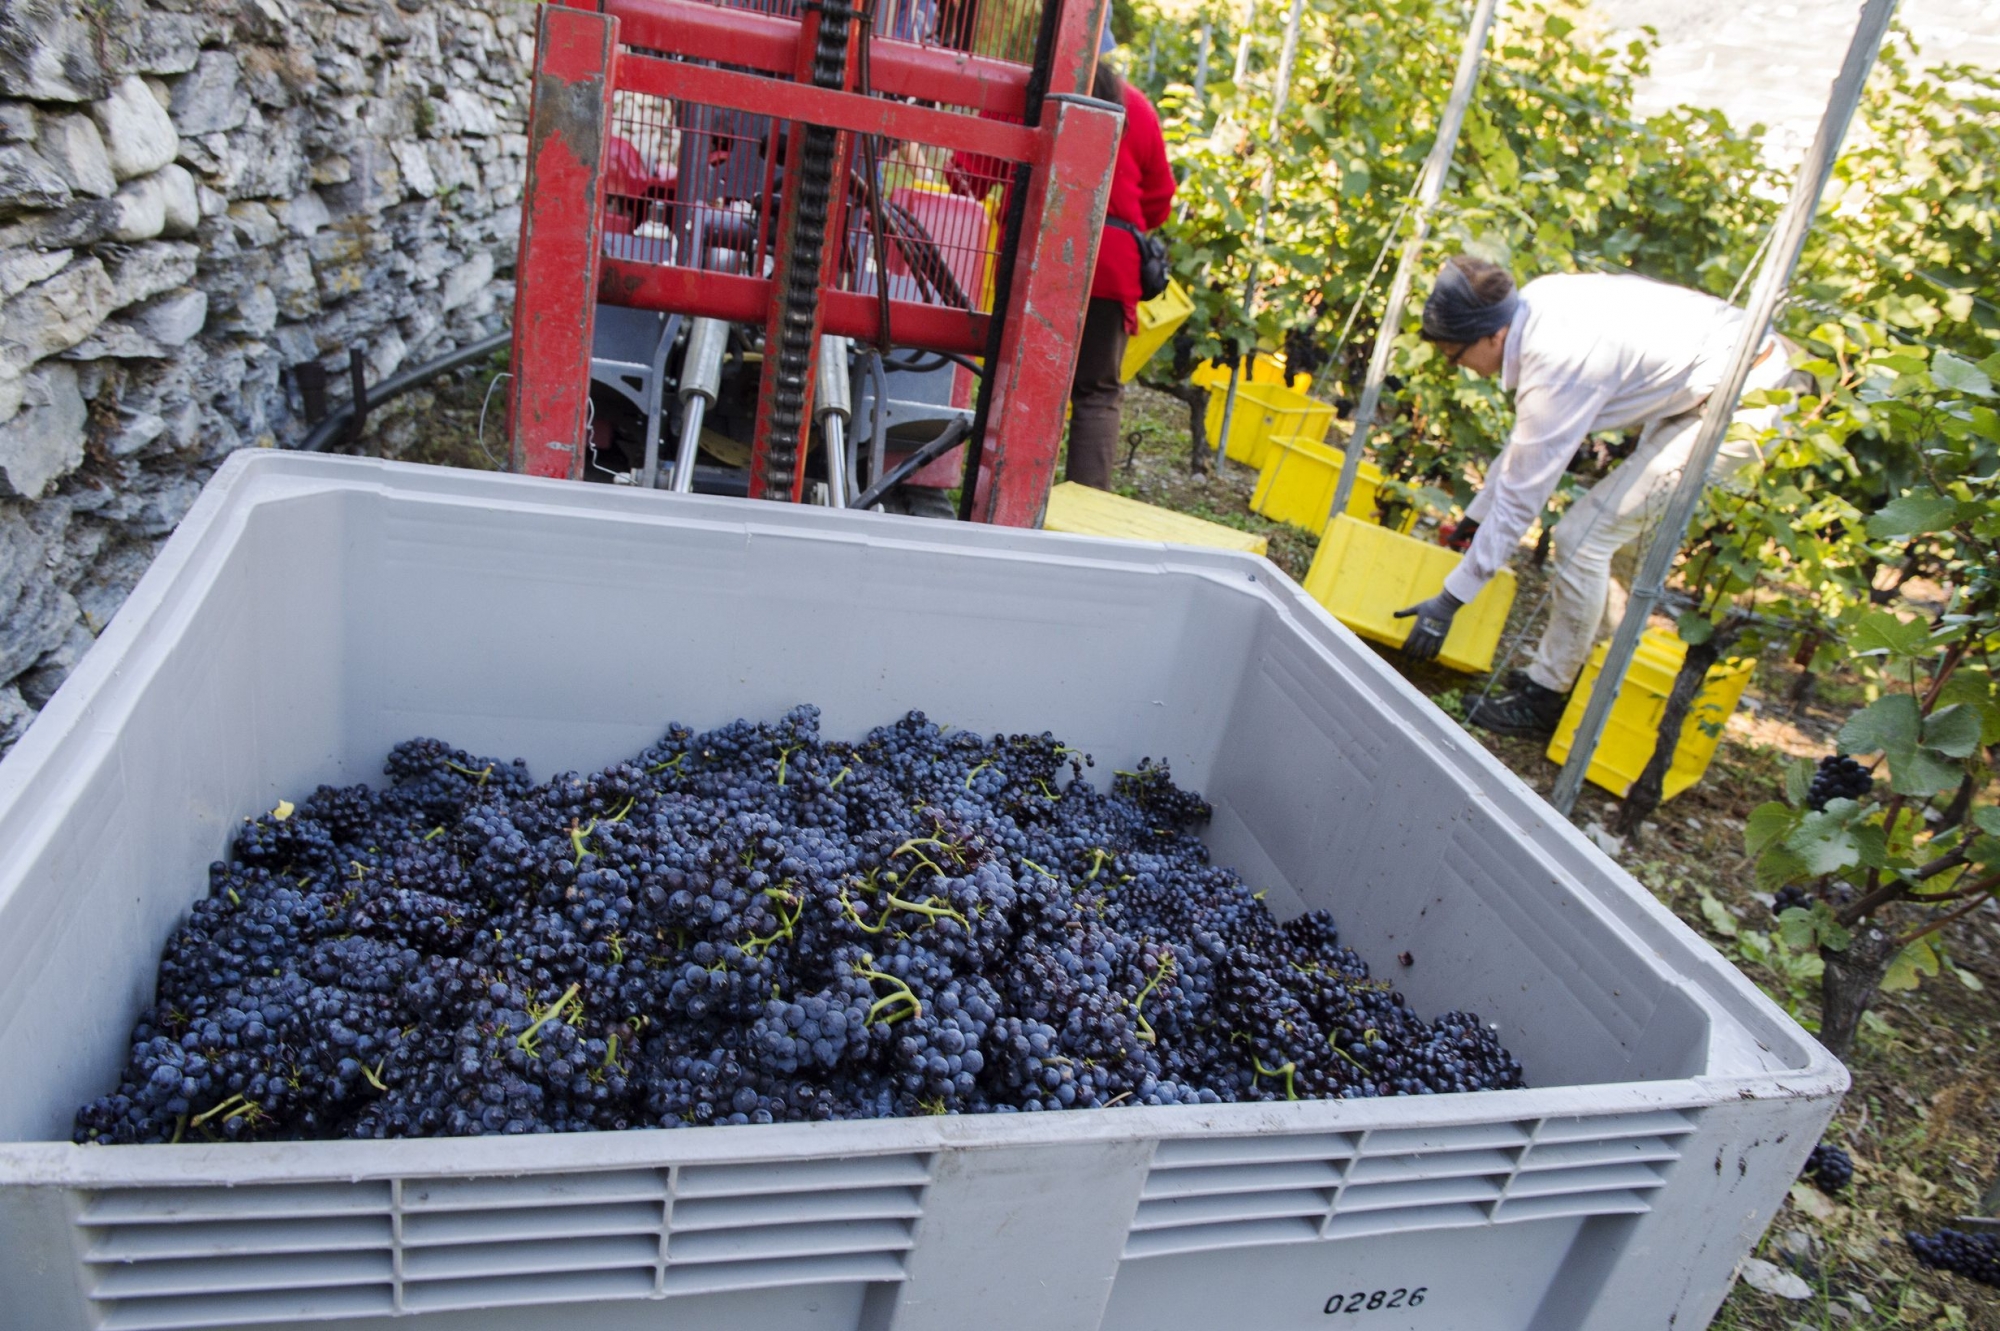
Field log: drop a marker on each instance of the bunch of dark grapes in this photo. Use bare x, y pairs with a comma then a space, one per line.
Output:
751, 925
1974, 1256
1829, 1167
1838, 777
1795, 895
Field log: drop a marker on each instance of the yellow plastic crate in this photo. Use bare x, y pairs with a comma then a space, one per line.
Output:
1364, 573
1085, 511
1159, 319
1264, 412
1268, 368
1632, 731
1297, 482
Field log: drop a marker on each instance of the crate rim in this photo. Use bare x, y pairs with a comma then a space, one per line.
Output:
43, 767
343, 1160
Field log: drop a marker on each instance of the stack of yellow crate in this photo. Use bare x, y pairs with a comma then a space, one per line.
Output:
1297, 481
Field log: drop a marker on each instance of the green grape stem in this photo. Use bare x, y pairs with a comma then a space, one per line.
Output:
529, 1039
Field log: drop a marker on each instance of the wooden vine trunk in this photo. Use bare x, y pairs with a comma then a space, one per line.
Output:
1645, 794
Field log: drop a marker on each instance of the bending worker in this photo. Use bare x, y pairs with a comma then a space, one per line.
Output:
1581, 353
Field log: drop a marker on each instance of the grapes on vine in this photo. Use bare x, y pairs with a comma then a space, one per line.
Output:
1793, 896
1838, 777
750, 925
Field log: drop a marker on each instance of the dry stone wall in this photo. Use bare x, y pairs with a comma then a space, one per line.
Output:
196, 195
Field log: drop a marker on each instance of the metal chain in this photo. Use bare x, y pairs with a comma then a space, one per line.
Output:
799, 283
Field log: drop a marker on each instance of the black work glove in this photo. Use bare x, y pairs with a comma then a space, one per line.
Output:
1433, 623
1458, 536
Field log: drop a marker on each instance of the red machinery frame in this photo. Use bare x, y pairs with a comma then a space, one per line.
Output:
759, 62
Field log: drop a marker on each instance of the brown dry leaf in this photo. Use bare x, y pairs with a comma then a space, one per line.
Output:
1817, 1204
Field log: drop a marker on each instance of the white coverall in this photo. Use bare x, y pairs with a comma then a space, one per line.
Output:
1588, 352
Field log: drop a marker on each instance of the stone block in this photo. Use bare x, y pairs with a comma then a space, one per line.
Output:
44, 441
466, 280
293, 282
17, 122
306, 214
170, 43
415, 164
72, 145
210, 98
36, 623
173, 319
279, 76
55, 314
475, 115
136, 431
39, 684
15, 716
150, 330
272, 22
22, 267
265, 158
256, 313
256, 226
145, 271
335, 170
340, 258
181, 200
48, 53
28, 180
137, 130
84, 222
142, 210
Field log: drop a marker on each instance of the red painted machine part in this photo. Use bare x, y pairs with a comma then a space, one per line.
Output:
1044, 317
562, 214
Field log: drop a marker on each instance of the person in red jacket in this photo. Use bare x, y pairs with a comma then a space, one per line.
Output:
1142, 192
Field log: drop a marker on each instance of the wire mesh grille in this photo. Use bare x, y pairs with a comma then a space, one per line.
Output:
931, 221
685, 184
692, 186
997, 29
696, 186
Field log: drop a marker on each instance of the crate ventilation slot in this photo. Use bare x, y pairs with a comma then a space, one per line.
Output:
1237, 1192
162, 1258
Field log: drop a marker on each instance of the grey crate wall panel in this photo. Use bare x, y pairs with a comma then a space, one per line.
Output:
312, 612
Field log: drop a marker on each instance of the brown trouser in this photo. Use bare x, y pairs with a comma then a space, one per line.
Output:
1093, 396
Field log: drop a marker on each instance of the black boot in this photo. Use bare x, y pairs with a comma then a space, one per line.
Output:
1527, 709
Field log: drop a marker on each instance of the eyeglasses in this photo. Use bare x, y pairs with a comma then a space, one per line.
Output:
1452, 358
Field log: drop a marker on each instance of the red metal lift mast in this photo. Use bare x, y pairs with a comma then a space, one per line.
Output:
789, 85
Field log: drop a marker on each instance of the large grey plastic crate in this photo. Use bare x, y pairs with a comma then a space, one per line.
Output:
310, 612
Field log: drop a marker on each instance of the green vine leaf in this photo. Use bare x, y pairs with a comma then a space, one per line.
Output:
1960, 376
1893, 726
1717, 915
1913, 515
1778, 867
1798, 785
1953, 731
1917, 959
1768, 824
1695, 629
1880, 633
1823, 841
